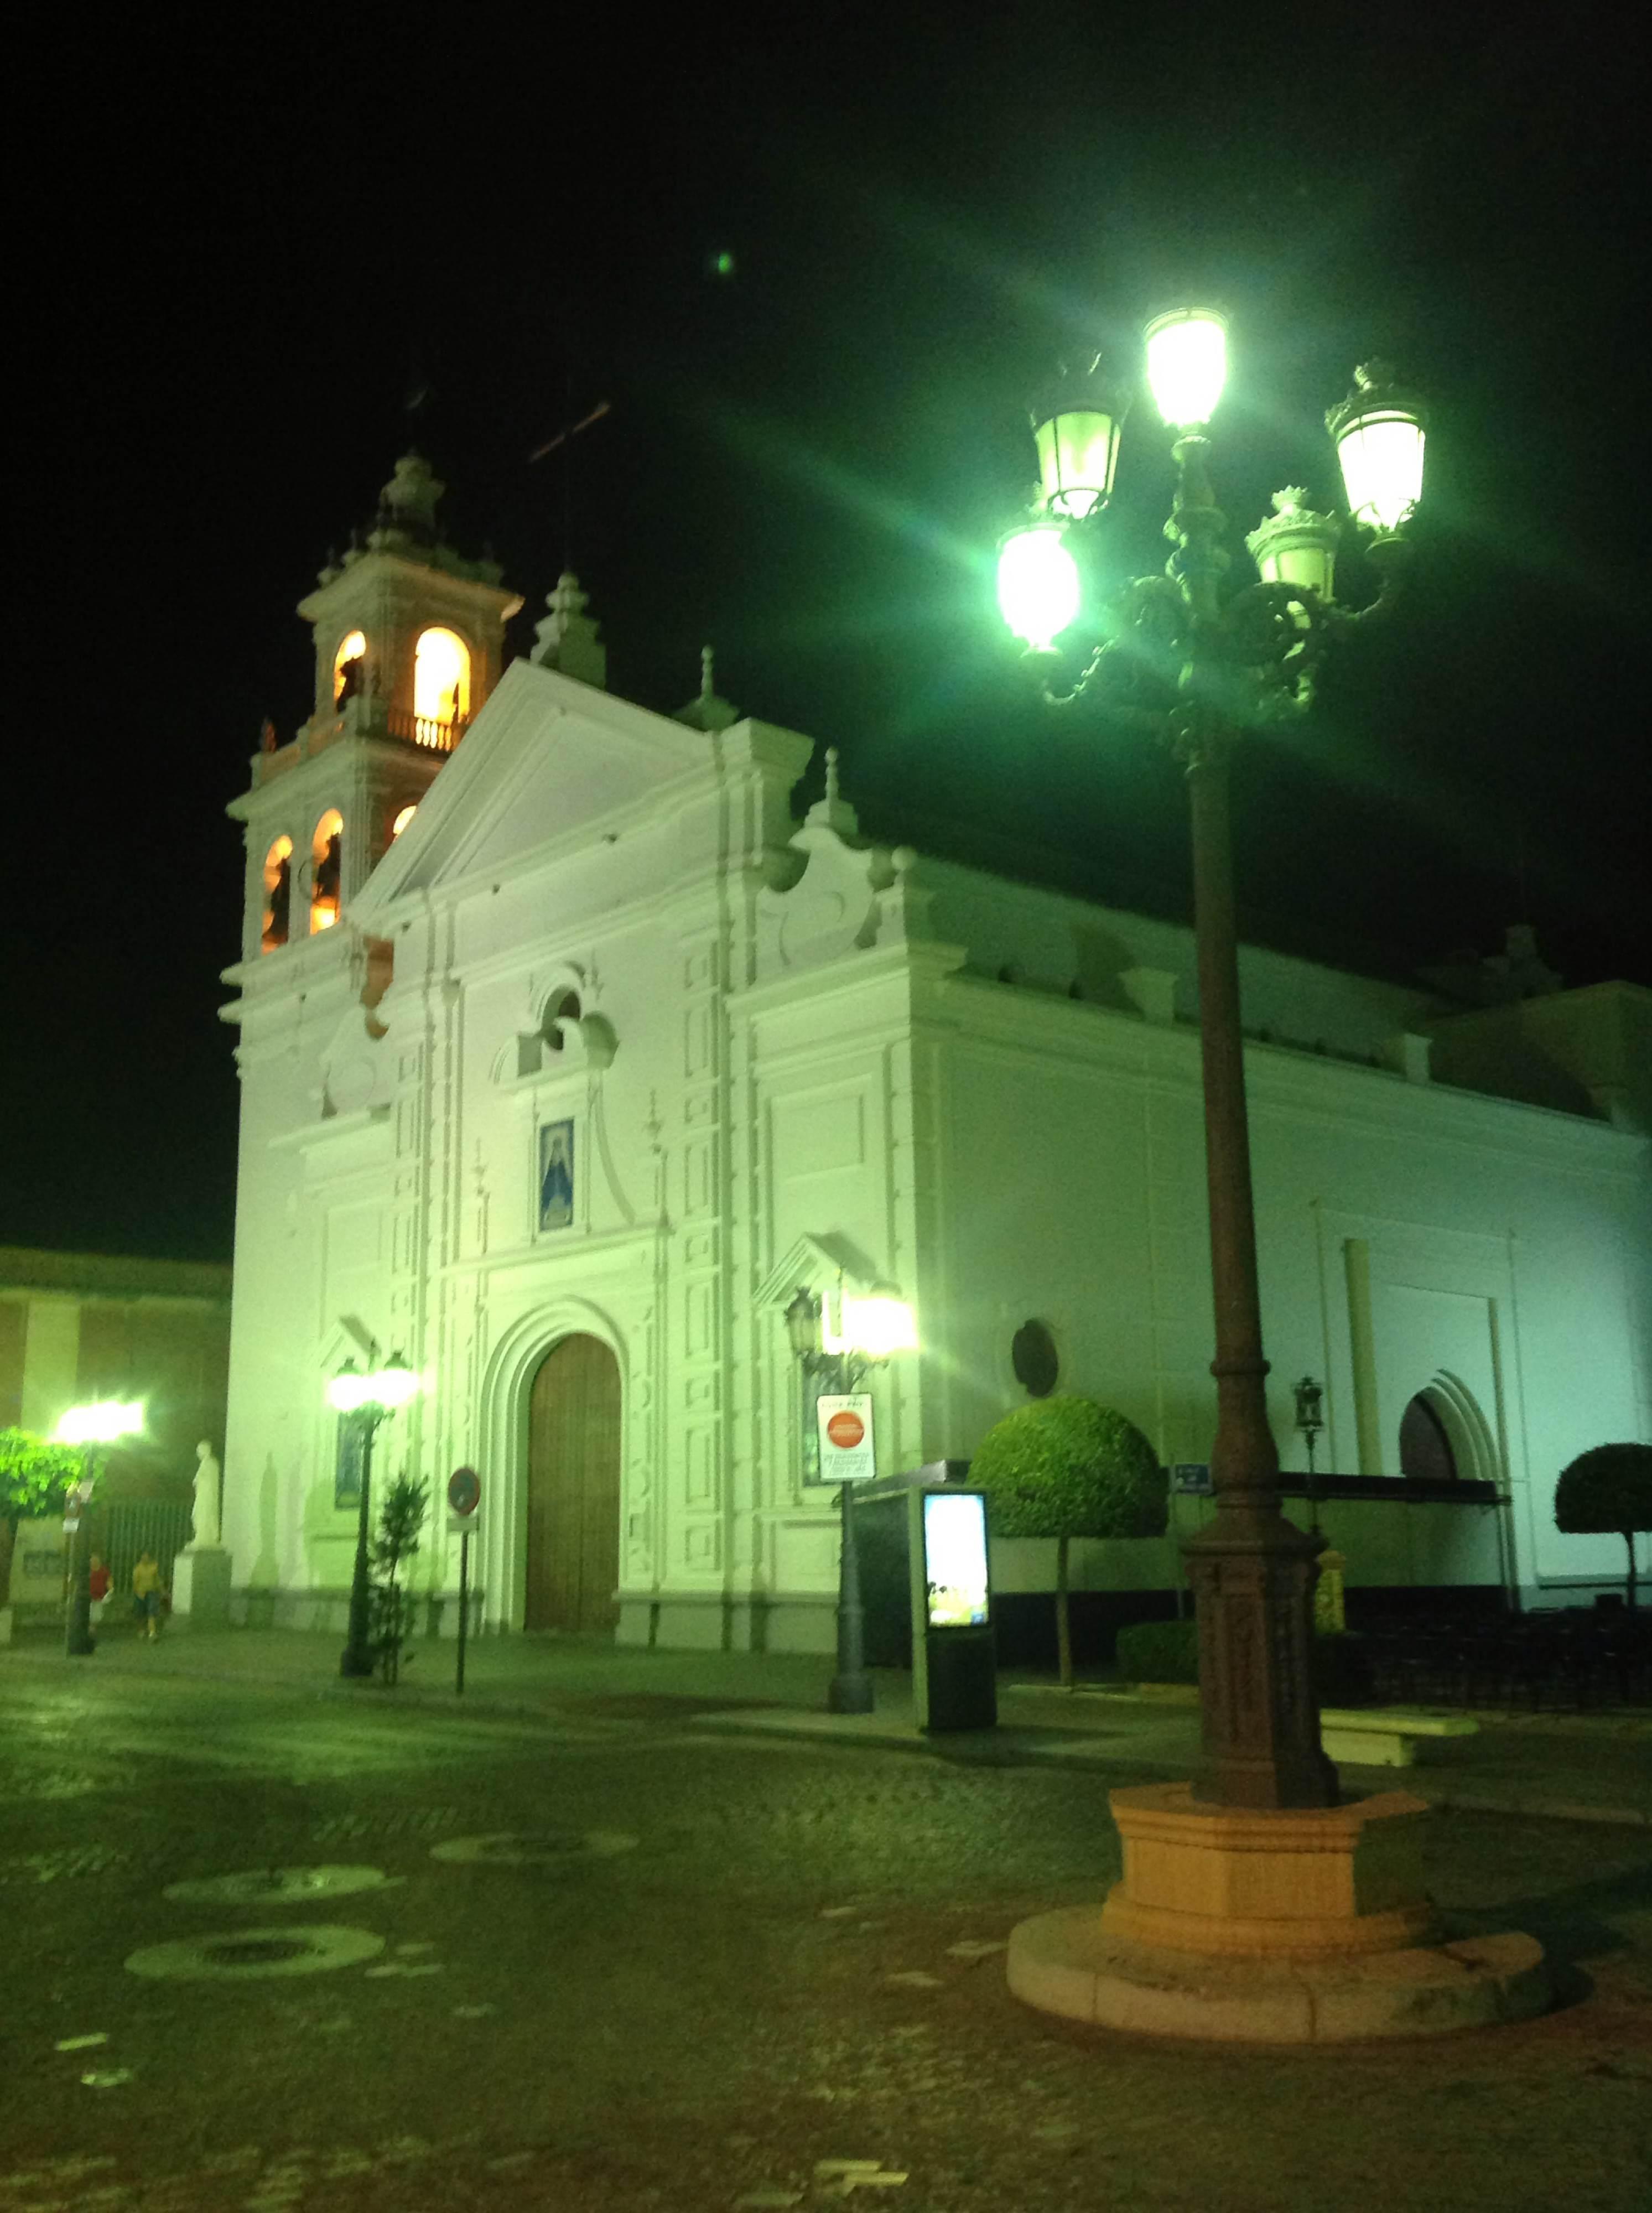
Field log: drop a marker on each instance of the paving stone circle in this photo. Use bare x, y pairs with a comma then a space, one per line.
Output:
540, 1848
249, 1954
276, 1886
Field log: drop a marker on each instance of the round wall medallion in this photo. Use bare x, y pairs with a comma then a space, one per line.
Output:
1033, 1358
246, 1955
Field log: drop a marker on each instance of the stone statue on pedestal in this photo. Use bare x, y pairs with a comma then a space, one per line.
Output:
204, 1511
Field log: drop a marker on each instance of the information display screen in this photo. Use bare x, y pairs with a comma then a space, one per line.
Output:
954, 1559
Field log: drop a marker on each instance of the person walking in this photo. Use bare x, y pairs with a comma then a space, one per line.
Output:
99, 1583
147, 1589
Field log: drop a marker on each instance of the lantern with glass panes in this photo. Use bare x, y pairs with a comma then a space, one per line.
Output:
1255, 651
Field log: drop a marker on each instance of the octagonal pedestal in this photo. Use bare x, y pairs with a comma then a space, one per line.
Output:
1318, 1882
1277, 1927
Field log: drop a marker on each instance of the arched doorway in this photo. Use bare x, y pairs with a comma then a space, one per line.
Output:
573, 1488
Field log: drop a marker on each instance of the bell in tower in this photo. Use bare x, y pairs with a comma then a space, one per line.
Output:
409, 643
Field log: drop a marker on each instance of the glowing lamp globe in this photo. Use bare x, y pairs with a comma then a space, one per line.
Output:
1039, 589
388, 1386
1295, 546
348, 1390
1077, 454
1379, 434
395, 1383
879, 1322
1076, 427
1187, 365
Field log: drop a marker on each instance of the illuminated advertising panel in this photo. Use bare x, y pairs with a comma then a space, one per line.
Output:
954, 1559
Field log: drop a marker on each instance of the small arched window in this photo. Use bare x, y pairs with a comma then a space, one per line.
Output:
441, 679
277, 893
400, 820
327, 853
349, 669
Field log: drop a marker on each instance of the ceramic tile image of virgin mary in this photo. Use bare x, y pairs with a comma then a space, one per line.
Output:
556, 1175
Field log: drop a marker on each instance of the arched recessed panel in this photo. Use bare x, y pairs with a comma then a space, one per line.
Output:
1424, 1446
327, 852
277, 894
442, 678
573, 1488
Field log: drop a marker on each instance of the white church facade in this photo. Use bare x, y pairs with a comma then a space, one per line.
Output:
568, 1053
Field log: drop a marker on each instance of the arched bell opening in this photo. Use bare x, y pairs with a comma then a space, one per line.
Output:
441, 681
349, 669
278, 895
327, 857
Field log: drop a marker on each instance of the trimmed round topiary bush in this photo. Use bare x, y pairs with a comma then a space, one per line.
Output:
1066, 1467
1607, 1488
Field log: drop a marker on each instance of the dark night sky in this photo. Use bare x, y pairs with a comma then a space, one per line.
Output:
243, 234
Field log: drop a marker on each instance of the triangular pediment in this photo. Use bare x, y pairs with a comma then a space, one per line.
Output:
549, 763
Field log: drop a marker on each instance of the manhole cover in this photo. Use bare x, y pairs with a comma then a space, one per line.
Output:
255, 1951
276, 1886
550, 1848
244, 1955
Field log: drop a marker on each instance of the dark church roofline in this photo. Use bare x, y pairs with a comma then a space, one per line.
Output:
1052, 869
108, 1275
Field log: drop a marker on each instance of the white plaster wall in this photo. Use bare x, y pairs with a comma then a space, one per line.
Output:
1505, 1240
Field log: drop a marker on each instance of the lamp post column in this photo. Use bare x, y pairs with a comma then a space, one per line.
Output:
78, 1640
358, 1656
1252, 1572
850, 1689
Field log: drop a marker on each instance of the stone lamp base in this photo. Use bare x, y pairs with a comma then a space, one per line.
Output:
1289, 1927
200, 1589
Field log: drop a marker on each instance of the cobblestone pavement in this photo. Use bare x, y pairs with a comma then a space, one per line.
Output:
597, 1959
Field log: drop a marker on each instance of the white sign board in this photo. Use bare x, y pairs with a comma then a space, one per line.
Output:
845, 1430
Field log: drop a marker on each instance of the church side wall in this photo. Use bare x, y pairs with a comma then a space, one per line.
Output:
831, 1112
1408, 1235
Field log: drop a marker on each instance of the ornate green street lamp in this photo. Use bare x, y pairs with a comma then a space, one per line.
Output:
1196, 670
98, 1425
873, 1326
369, 1399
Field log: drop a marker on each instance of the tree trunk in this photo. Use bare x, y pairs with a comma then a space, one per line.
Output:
1064, 1629
1629, 1540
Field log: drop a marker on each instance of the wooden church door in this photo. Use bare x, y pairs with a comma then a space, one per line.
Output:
573, 1488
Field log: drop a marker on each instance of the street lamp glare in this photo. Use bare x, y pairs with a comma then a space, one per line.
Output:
347, 1390
391, 1386
1187, 365
1039, 594
101, 1422
395, 1383
878, 1323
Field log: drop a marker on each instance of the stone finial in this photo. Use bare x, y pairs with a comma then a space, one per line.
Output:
408, 501
708, 712
832, 812
565, 638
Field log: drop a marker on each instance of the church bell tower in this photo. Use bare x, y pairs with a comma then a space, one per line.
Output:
409, 643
